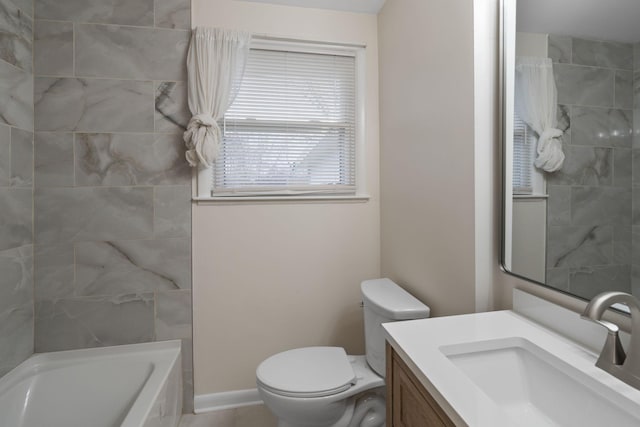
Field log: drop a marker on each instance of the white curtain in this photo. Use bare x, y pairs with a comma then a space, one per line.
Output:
536, 102
215, 65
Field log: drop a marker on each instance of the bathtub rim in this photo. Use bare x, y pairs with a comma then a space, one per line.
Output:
168, 357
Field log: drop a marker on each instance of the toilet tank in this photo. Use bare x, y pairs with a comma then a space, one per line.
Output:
385, 301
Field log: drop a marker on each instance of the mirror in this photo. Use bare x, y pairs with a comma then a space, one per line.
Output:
571, 144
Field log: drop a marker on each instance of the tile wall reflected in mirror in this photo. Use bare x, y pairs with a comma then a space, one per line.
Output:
580, 234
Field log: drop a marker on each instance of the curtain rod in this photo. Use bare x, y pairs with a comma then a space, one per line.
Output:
269, 38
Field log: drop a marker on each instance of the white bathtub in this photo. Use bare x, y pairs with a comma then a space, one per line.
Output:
137, 385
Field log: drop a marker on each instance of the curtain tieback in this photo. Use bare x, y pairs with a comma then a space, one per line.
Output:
202, 139
550, 155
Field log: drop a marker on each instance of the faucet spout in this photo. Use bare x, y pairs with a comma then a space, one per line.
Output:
613, 358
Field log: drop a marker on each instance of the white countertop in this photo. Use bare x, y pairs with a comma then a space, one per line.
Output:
419, 344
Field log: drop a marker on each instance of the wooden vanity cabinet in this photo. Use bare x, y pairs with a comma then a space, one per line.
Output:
409, 404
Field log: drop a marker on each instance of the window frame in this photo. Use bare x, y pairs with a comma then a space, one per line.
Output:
203, 177
536, 176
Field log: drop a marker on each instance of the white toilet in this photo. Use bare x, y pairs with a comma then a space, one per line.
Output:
325, 387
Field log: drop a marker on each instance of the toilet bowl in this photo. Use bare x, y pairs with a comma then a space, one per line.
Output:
325, 387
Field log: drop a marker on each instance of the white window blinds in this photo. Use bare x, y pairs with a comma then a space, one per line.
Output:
523, 156
291, 128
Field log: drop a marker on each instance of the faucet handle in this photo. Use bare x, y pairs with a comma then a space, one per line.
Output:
612, 352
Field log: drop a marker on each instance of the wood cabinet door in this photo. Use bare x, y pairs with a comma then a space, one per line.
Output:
409, 404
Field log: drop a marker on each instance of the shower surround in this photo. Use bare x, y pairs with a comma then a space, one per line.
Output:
103, 176
16, 183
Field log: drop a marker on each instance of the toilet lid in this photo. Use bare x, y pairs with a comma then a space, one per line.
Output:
307, 372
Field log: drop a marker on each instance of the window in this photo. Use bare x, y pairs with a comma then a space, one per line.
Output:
524, 142
292, 129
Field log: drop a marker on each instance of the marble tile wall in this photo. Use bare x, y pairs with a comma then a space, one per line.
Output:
591, 211
635, 159
16, 183
112, 222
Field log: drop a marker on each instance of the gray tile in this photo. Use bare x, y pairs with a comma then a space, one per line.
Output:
622, 244
25, 6
172, 212
624, 90
581, 85
600, 205
559, 205
54, 276
636, 56
83, 214
603, 54
172, 109
21, 158
16, 280
53, 44
636, 90
132, 266
93, 105
16, 207
131, 53
636, 167
570, 246
5, 155
564, 118
188, 393
584, 166
187, 376
635, 245
588, 282
125, 12
601, 127
54, 159
636, 206
622, 167
16, 306
93, 322
636, 129
558, 278
173, 315
16, 36
16, 97
173, 14
635, 280
559, 48
130, 159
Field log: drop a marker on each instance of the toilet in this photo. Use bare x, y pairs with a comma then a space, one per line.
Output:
325, 387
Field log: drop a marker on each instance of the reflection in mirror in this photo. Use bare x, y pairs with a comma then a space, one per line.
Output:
571, 148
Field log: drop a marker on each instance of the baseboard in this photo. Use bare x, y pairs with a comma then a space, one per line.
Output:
226, 400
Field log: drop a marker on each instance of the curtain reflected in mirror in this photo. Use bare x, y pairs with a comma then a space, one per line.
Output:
571, 148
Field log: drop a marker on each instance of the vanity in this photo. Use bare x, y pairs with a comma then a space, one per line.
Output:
502, 369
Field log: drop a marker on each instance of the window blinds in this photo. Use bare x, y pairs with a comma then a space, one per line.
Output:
523, 156
291, 128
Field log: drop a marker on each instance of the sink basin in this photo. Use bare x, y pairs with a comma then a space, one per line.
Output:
538, 389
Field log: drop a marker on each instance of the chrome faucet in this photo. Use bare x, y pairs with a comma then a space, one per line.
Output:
613, 359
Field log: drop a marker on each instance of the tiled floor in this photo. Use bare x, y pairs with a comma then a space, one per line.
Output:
249, 416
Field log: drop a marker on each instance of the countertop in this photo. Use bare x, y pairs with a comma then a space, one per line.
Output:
419, 343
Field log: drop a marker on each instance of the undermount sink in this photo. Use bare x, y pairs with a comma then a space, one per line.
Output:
538, 389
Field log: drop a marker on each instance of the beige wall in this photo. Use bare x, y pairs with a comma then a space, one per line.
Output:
427, 150
270, 277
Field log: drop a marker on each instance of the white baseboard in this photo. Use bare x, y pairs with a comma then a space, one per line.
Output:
226, 400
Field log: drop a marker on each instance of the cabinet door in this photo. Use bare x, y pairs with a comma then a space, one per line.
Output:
410, 404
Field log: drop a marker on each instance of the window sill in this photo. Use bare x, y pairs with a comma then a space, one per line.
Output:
240, 200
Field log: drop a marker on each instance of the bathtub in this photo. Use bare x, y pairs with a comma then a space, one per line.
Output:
138, 385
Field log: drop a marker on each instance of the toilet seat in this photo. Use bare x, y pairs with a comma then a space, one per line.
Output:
307, 372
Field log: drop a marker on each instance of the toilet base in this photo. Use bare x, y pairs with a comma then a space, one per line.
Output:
365, 410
